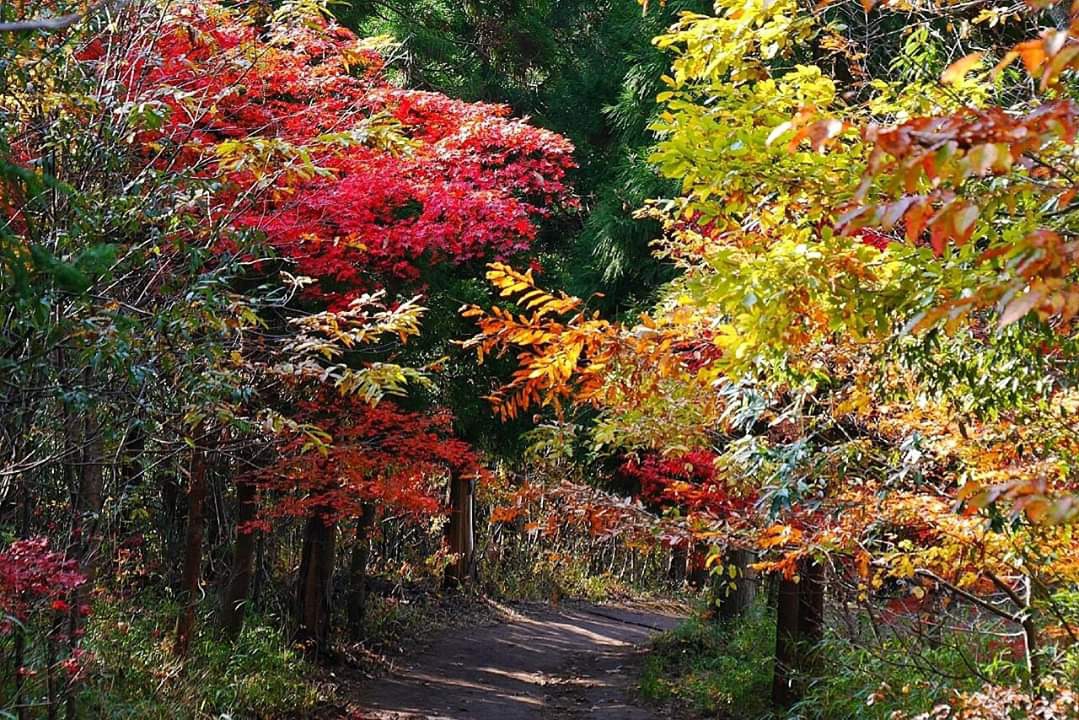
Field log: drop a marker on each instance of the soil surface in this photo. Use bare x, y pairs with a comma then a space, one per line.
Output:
536, 661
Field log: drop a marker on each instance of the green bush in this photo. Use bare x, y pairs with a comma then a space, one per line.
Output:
713, 668
1062, 660
871, 683
135, 674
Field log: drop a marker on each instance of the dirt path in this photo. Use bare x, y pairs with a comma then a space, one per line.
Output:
576, 661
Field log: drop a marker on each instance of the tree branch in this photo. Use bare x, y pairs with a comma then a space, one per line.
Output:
53, 24
985, 605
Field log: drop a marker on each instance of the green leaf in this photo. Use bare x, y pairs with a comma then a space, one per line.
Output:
67, 276
97, 260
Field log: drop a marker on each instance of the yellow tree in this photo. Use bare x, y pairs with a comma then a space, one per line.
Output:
874, 326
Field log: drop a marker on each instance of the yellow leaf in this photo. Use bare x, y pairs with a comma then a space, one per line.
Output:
777, 132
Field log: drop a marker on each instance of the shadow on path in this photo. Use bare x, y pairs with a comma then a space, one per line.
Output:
552, 663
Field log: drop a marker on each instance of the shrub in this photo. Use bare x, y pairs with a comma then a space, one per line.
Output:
714, 668
137, 676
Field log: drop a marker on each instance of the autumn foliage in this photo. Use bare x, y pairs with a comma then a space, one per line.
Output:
354, 182
397, 461
854, 387
855, 240
286, 206
35, 581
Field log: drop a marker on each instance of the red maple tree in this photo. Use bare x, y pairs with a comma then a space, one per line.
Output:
289, 134
352, 180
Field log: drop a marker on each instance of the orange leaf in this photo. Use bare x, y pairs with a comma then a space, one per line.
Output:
863, 564
963, 219
819, 133
1060, 62
779, 535
957, 70
915, 220
1033, 54
505, 514
938, 238
1009, 57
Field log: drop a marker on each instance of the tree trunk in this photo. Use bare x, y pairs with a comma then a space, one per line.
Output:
87, 528
698, 574
357, 579
22, 710
257, 576
459, 531
91, 491
799, 627
676, 572
131, 475
740, 590
170, 525
1030, 639
784, 693
234, 594
811, 611
192, 564
314, 585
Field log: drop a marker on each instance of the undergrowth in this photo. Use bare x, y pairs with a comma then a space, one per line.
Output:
711, 669
549, 575
136, 675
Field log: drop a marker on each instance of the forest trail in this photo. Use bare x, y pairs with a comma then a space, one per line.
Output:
556, 663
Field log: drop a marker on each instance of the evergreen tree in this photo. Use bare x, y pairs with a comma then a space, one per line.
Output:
585, 69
